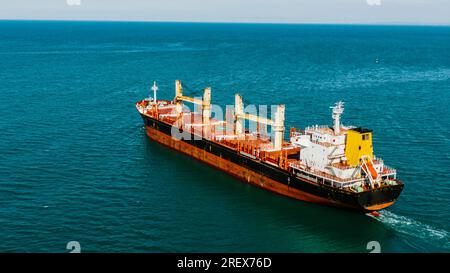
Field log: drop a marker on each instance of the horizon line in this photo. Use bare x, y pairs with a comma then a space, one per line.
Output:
228, 22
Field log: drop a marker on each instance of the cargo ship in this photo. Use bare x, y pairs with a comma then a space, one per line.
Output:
325, 164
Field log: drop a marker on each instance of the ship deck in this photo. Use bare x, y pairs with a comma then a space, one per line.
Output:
256, 145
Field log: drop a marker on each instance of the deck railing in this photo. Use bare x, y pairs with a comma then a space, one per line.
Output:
338, 182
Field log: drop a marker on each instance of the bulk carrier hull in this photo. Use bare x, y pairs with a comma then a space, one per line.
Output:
269, 176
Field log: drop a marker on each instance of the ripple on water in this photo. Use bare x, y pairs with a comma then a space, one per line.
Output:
75, 163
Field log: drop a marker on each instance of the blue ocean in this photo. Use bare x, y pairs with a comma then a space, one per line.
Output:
76, 164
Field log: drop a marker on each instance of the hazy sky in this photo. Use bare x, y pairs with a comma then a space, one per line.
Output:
272, 11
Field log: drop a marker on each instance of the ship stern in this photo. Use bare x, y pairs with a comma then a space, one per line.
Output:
380, 198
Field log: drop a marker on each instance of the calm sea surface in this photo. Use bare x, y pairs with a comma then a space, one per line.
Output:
75, 163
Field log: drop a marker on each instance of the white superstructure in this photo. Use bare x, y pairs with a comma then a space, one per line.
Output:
341, 155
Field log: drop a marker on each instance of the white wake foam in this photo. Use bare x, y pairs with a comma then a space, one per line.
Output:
415, 228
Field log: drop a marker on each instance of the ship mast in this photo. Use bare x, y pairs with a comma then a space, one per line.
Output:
338, 109
154, 88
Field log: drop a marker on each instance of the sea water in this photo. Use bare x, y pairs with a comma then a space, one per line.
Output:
76, 164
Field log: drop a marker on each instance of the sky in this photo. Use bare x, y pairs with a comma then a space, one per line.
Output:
416, 12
